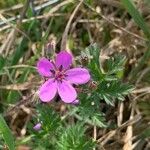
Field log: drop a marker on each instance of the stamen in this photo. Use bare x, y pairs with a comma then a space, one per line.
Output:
60, 68
59, 75
52, 71
54, 65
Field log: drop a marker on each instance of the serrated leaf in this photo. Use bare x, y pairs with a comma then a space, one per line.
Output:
98, 120
115, 64
94, 52
115, 89
50, 119
73, 138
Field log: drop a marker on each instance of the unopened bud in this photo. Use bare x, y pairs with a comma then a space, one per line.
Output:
50, 48
37, 127
76, 102
93, 85
84, 60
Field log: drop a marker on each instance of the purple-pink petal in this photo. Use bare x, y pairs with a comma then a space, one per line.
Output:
63, 59
48, 90
44, 66
37, 127
78, 75
66, 91
76, 102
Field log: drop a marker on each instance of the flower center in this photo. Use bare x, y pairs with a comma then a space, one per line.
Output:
59, 75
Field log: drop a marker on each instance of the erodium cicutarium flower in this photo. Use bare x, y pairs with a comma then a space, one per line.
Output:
60, 78
37, 127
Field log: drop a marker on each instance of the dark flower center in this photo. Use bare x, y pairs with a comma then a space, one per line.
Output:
58, 74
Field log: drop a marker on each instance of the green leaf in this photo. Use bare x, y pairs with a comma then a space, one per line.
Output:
115, 64
49, 118
94, 52
2, 62
136, 16
98, 120
7, 135
73, 138
113, 90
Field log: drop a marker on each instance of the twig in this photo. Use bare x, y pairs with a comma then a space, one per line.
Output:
65, 34
115, 3
142, 90
54, 9
33, 18
129, 133
134, 73
7, 46
20, 66
142, 75
94, 134
21, 86
103, 140
114, 24
11, 25
6, 43
120, 113
30, 99
37, 8
19, 6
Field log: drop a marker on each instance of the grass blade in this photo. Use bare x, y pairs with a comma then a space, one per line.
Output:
132, 10
4, 129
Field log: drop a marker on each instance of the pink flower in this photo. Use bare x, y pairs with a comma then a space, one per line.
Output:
37, 127
76, 102
60, 78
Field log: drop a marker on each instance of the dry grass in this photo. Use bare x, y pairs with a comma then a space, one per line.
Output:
75, 25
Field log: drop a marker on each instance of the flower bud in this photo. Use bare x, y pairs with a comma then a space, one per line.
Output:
50, 48
37, 127
84, 60
93, 85
76, 102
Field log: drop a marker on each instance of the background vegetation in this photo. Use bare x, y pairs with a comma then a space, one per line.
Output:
117, 116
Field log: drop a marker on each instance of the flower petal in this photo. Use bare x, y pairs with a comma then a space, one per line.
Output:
44, 66
37, 127
78, 75
63, 59
48, 90
66, 91
76, 102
